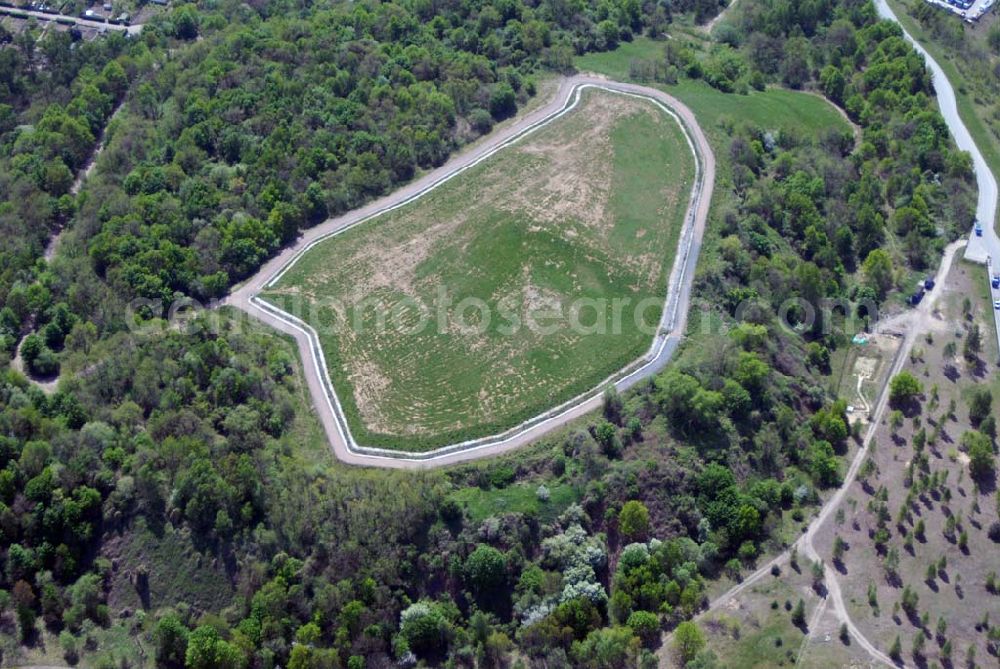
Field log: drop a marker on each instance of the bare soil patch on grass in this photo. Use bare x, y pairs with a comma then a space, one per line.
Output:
588, 207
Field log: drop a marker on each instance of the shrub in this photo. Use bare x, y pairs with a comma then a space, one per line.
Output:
424, 628
688, 641
485, 568
981, 462
633, 520
69, 647
481, 121
501, 476
980, 405
503, 103
646, 626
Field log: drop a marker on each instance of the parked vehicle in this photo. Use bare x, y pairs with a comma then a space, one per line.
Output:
929, 283
979, 229
995, 282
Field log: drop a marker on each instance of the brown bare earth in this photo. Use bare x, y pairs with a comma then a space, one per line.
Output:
955, 594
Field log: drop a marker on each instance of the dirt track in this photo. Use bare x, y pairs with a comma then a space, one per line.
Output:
679, 289
708, 27
915, 321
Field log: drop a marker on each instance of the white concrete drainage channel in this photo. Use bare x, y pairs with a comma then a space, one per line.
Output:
655, 359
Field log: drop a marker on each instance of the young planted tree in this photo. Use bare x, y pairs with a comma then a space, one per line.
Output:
942, 629
896, 419
973, 343
818, 573
980, 405
839, 548
910, 601
981, 459
799, 614
896, 650
904, 389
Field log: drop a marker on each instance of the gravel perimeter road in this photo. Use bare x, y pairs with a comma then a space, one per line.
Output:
679, 290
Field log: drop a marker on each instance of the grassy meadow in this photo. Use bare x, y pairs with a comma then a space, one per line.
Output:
587, 208
774, 108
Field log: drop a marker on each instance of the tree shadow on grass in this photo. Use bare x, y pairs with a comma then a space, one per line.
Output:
951, 373
987, 484
911, 408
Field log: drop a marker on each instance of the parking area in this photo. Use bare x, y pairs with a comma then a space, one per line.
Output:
970, 10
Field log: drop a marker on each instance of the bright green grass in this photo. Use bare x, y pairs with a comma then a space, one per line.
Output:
972, 114
768, 638
615, 63
588, 207
521, 498
774, 108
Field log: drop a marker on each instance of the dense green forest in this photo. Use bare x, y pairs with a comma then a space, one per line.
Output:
273, 122
243, 124
49, 120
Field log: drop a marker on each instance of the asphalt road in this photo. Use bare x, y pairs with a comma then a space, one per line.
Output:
978, 249
675, 314
984, 249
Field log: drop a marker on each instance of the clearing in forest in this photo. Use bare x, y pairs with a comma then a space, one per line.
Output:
517, 285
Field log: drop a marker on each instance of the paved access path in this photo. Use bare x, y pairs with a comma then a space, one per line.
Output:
675, 314
984, 249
